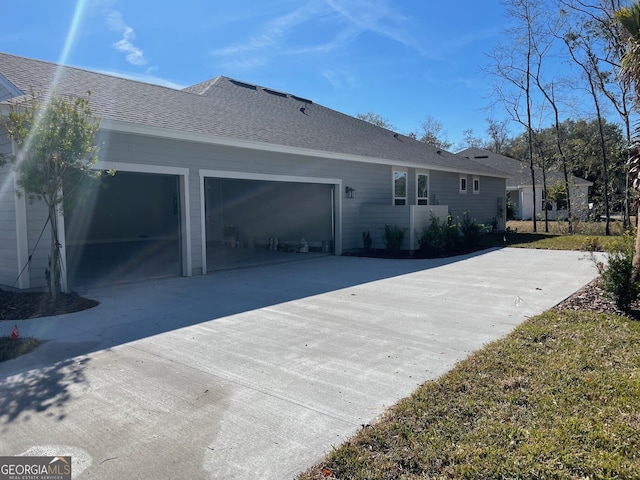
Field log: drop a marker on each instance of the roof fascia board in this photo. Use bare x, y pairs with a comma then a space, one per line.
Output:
134, 128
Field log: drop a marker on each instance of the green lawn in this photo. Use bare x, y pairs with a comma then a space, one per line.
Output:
549, 241
558, 398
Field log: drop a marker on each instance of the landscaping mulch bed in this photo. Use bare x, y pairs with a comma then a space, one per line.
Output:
26, 305
592, 298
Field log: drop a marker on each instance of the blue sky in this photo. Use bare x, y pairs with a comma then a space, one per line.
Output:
404, 60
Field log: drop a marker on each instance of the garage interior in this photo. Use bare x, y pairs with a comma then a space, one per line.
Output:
126, 228
252, 222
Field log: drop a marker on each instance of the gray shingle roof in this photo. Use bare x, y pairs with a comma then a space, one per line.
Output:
223, 107
519, 172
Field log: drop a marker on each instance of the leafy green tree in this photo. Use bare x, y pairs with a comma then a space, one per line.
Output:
54, 136
580, 142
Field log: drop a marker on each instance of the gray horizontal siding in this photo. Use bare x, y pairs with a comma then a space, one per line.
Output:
482, 207
39, 250
8, 235
373, 219
5, 94
373, 182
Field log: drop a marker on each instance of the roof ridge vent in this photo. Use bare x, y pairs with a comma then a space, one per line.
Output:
243, 84
274, 92
300, 99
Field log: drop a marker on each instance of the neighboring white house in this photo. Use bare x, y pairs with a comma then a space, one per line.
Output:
520, 191
225, 165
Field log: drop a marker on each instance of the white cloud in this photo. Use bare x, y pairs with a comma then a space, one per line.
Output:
336, 24
339, 78
253, 51
134, 55
378, 17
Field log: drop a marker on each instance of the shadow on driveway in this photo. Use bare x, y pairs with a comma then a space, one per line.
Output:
131, 311
40, 391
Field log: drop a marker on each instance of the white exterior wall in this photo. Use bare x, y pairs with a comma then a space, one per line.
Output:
579, 203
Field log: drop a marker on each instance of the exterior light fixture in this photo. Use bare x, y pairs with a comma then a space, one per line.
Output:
350, 192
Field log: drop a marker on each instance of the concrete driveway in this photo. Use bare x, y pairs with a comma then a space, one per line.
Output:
257, 373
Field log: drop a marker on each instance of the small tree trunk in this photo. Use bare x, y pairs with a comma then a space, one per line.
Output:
53, 255
545, 197
636, 254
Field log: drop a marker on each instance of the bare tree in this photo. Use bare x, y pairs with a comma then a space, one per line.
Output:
512, 66
376, 119
582, 54
548, 91
498, 136
433, 133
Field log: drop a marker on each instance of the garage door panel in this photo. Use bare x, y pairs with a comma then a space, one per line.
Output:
127, 228
253, 211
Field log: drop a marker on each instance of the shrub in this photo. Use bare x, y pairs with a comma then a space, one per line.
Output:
615, 277
393, 237
470, 231
439, 238
592, 244
511, 208
366, 241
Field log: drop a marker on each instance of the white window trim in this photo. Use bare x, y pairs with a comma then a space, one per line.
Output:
418, 198
473, 185
466, 184
393, 185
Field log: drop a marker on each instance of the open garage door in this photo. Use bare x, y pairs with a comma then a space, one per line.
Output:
245, 217
127, 229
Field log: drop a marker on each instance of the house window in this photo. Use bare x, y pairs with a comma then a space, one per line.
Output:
422, 183
463, 184
476, 184
399, 187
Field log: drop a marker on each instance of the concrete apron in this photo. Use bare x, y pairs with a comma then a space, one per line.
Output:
257, 373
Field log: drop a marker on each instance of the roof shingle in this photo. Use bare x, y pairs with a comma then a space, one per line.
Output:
520, 173
223, 107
